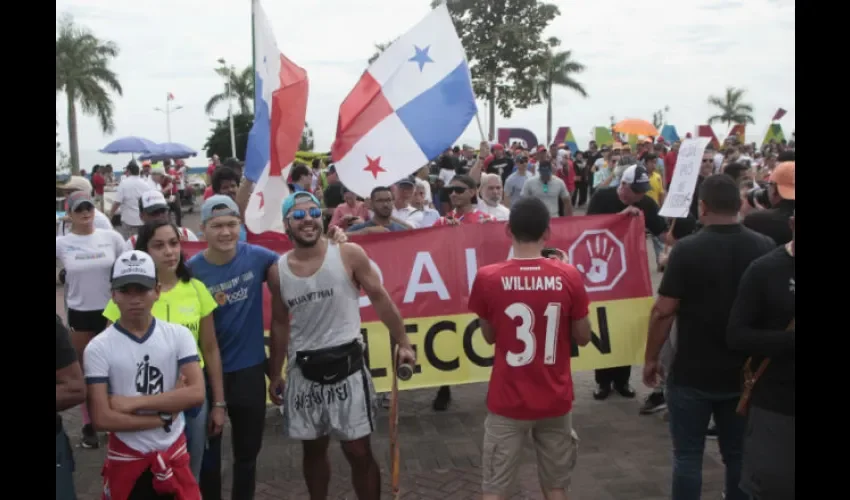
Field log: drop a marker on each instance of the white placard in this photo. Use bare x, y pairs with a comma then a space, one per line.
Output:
680, 192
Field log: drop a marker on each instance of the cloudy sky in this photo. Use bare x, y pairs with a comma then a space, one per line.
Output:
640, 57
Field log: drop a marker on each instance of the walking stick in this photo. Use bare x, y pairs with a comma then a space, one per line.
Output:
403, 372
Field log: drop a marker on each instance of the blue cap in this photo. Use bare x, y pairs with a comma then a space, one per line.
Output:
230, 207
292, 199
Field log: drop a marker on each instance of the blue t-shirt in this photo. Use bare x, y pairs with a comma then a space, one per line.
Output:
393, 226
237, 288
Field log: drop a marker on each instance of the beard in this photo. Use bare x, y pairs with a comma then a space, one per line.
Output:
303, 242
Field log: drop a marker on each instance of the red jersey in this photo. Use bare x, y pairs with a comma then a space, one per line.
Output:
530, 304
476, 216
98, 182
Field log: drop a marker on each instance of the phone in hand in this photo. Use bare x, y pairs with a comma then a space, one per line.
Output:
550, 252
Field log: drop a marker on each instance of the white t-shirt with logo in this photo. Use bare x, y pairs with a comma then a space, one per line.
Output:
88, 265
147, 366
101, 221
185, 235
128, 194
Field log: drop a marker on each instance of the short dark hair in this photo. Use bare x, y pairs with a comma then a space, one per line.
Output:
785, 156
133, 168
222, 174
379, 189
529, 220
146, 233
466, 180
720, 194
298, 171
317, 162
735, 170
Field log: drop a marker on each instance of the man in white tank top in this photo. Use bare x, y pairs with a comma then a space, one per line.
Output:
328, 391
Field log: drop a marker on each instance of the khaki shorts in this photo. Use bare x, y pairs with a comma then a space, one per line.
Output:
555, 444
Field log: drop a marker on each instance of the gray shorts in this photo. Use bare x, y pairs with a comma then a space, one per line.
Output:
769, 455
344, 411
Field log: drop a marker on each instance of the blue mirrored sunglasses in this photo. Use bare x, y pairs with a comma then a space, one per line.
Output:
299, 214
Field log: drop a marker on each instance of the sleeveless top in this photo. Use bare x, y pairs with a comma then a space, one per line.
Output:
324, 308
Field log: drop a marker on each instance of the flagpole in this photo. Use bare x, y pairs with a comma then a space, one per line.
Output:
253, 57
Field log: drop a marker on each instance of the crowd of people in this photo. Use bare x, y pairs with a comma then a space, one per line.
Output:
163, 350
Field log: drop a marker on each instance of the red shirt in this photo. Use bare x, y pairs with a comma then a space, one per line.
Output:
171, 472
530, 304
670, 166
473, 217
568, 175
208, 192
98, 182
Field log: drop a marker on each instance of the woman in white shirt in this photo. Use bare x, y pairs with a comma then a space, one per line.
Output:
87, 254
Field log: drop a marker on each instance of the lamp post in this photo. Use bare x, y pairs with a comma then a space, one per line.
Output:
168, 110
228, 72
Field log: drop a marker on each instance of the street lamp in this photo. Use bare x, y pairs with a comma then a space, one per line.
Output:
228, 72
168, 110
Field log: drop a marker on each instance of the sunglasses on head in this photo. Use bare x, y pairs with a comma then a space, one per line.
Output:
455, 189
299, 214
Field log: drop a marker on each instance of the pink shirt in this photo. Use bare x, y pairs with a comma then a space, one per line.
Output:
359, 210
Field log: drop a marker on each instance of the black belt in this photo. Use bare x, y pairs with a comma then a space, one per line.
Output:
332, 364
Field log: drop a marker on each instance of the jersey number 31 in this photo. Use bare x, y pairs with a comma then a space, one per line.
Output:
525, 333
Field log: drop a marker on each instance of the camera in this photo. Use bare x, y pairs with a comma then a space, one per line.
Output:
758, 195
549, 252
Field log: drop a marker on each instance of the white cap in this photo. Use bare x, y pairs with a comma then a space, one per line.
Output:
152, 201
134, 268
77, 183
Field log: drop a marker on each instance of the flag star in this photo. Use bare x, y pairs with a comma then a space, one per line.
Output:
421, 57
374, 166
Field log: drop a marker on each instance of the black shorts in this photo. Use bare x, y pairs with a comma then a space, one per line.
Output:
86, 321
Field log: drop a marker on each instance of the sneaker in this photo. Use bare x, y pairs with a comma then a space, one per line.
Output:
444, 397
89, 440
654, 403
711, 433
602, 392
625, 390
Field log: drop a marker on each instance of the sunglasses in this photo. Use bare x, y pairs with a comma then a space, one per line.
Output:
85, 207
299, 214
158, 212
455, 189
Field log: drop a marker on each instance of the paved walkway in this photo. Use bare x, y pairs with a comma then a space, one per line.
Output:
622, 456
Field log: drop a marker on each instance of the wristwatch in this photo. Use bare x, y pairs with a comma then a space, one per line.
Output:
167, 420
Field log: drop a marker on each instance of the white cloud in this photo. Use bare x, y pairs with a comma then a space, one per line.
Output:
640, 56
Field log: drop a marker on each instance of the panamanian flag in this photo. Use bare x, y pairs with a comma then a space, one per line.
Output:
408, 107
280, 111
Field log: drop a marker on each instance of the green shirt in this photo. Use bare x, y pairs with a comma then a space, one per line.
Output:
185, 304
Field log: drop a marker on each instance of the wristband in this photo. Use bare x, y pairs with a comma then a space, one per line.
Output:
219, 404
167, 420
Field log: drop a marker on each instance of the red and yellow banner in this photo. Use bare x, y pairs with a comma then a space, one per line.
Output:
429, 273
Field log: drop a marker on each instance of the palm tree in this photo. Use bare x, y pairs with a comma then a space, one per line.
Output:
83, 73
558, 70
241, 90
732, 107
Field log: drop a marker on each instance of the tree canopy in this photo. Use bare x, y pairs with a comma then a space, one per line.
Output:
218, 142
732, 107
505, 49
83, 73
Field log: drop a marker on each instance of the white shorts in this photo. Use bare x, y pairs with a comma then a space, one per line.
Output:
344, 411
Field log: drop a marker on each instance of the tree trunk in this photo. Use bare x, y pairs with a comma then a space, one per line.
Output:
549, 118
73, 144
491, 134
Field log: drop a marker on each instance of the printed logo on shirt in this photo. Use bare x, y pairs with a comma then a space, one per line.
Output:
149, 379
310, 297
89, 255
233, 290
